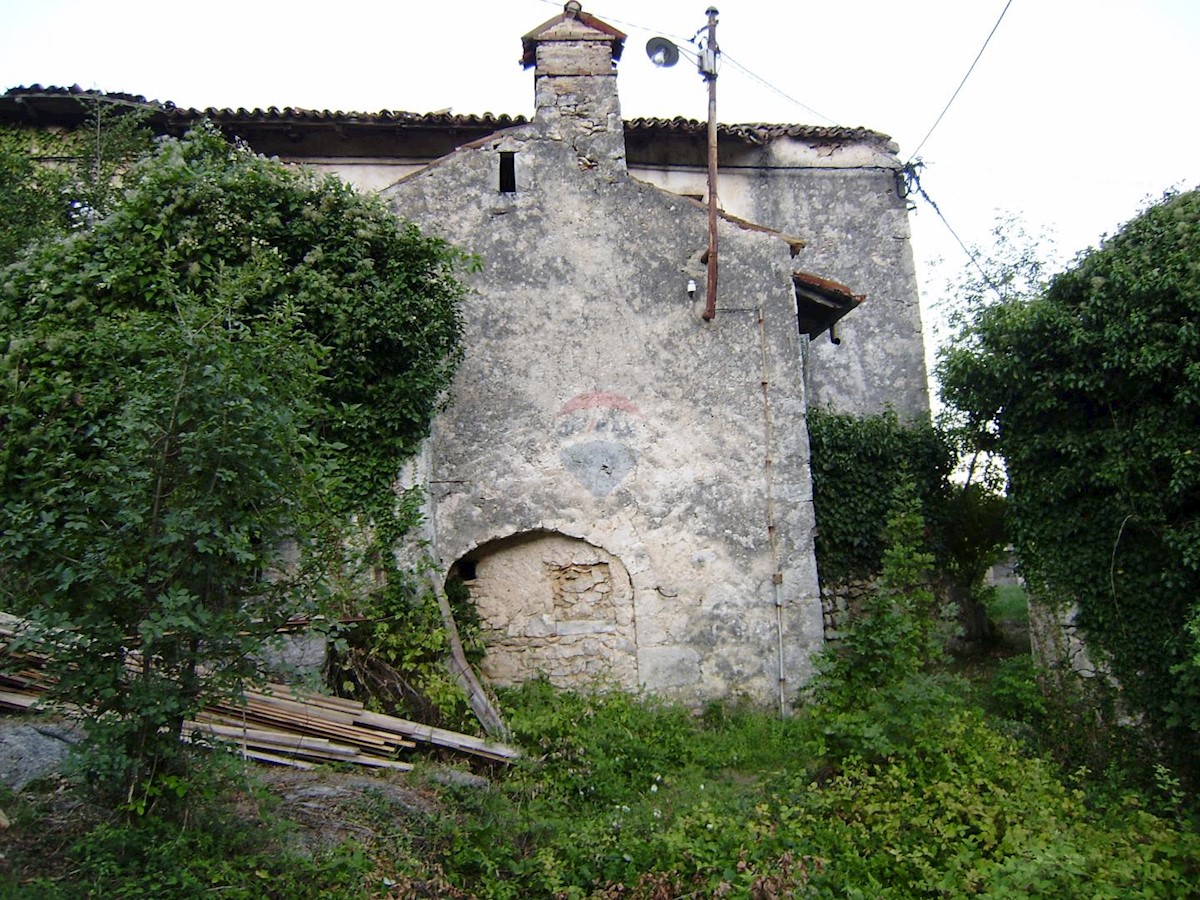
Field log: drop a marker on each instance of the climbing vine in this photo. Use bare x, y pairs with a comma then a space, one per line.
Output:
858, 462
54, 182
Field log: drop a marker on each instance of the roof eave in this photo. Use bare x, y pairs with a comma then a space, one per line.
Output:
821, 302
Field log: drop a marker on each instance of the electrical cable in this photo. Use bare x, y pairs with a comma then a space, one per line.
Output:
954, 96
634, 26
762, 81
913, 183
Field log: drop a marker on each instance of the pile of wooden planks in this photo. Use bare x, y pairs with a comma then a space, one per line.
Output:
277, 724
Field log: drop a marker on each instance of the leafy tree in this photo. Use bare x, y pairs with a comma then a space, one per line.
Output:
236, 356
1014, 268
1090, 390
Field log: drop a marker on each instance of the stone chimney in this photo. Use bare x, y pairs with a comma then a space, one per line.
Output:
575, 84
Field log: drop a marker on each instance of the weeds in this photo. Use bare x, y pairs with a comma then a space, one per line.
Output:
907, 784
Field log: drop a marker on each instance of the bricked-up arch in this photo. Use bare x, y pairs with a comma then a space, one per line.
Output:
553, 605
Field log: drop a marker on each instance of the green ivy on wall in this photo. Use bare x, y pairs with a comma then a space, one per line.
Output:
858, 462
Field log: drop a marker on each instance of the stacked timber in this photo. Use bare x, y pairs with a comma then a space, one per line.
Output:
277, 724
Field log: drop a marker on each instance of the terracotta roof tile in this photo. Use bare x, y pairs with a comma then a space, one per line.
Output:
63, 104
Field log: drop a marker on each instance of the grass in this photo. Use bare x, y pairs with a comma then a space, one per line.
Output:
624, 796
923, 788
1011, 604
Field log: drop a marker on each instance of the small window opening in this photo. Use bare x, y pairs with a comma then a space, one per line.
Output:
508, 172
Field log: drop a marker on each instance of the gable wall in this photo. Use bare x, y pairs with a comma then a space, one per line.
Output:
843, 202
595, 404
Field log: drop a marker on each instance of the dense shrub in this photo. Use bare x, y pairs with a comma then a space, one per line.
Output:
234, 357
1091, 392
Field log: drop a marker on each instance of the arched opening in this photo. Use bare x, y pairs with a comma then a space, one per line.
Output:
555, 606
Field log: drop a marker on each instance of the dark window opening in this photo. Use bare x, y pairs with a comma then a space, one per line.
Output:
508, 172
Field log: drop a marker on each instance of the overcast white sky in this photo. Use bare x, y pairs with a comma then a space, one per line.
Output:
1078, 111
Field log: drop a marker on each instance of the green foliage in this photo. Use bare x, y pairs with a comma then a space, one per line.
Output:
857, 463
30, 198
639, 799
52, 183
624, 795
890, 785
148, 462
970, 815
881, 664
602, 764
397, 660
893, 636
228, 849
1010, 603
1013, 693
236, 357
621, 797
1091, 392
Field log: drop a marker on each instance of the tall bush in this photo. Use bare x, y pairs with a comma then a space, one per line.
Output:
236, 356
1091, 392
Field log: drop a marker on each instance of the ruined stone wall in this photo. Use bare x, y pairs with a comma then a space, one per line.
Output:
575, 93
555, 607
1059, 644
841, 603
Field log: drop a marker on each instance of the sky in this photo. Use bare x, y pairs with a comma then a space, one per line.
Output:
1078, 113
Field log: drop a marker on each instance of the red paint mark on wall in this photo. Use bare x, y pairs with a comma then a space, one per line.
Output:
601, 400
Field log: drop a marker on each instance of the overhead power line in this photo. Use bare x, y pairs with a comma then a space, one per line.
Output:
961, 83
911, 173
737, 65
632, 26
725, 57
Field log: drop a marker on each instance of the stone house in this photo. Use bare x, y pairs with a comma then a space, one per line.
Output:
624, 485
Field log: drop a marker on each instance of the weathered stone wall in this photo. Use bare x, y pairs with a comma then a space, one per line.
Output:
856, 230
594, 403
576, 97
844, 204
626, 483
841, 603
1059, 645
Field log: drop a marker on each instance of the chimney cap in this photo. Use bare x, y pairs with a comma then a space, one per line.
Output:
573, 24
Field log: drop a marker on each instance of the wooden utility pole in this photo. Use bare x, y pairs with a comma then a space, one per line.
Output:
708, 68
